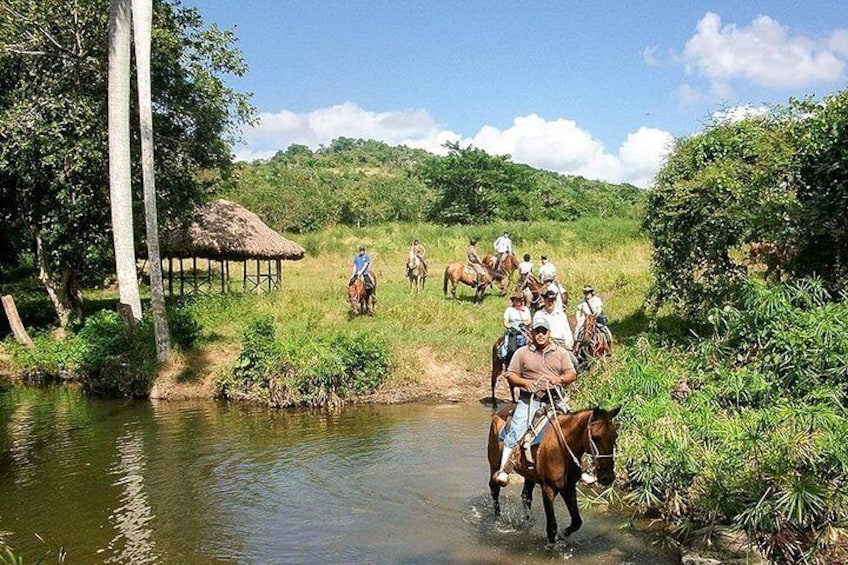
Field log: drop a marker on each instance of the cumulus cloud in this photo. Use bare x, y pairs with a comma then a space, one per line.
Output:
765, 53
558, 145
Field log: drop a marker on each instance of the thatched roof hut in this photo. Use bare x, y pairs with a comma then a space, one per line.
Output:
225, 231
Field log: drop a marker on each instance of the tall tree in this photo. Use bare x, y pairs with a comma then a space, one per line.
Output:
142, 14
54, 192
120, 176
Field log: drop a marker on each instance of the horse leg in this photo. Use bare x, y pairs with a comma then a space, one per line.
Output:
495, 490
569, 495
497, 367
548, 497
527, 498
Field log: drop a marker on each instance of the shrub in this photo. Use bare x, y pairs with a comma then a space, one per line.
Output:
114, 358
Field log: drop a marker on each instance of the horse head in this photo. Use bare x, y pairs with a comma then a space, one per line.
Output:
601, 434
355, 293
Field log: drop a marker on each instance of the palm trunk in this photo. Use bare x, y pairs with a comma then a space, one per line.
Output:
120, 179
142, 21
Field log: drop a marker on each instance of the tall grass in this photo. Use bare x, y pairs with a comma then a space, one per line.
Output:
611, 254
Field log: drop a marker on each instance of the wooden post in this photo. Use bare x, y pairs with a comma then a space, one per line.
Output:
244, 275
223, 288
182, 277
279, 273
15, 321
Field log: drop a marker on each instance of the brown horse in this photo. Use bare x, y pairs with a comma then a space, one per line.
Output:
533, 289
361, 300
557, 460
593, 342
508, 265
416, 273
458, 273
498, 367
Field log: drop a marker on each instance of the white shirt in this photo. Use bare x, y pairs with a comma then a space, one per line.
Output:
583, 310
513, 317
525, 267
547, 272
558, 321
503, 244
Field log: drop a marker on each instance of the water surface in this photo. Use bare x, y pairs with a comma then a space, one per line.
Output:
206, 482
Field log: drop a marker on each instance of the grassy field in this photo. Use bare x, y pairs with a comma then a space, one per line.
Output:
428, 330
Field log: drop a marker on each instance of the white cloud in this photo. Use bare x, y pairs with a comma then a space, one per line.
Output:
765, 53
558, 145
689, 96
739, 113
649, 56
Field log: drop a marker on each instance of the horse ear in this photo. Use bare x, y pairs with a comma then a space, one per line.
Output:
614, 412
597, 413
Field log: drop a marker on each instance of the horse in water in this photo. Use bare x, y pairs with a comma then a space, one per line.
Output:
593, 341
415, 272
458, 273
556, 460
361, 299
508, 264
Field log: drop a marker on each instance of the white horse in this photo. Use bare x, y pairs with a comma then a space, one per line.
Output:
415, 272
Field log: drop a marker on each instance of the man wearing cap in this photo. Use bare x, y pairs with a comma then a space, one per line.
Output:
535, 369
558, 322
503, 247
591, 305
362, 267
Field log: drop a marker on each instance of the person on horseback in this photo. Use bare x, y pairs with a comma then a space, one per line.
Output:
475, 263
591, 305
516, 320
540, 370
525, 269
417, 250
362, 267
548, 277
503, 247
558, 322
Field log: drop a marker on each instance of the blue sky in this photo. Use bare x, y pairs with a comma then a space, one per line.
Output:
592, 88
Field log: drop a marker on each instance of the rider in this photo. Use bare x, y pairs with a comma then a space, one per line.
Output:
591, 305
525, 269
474, 261
539, 369
417, 250
558, 322
362, 267
516, 317
548, 275
503, 247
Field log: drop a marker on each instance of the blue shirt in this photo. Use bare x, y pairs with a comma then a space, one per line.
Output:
360, 260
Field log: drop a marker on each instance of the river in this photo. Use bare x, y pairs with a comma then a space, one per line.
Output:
205, 482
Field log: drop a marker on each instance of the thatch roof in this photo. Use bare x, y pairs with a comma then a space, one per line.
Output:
224, 230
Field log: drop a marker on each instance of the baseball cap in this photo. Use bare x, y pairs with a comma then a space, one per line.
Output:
541, 322
549, 294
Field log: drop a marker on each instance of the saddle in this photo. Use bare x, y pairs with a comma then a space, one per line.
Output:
535, 432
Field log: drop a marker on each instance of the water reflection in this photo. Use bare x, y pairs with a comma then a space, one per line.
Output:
135, 541
201, 482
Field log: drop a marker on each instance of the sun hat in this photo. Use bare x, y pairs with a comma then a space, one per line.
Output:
517, 295
588, 288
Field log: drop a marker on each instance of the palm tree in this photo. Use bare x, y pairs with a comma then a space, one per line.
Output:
120, 189
142, 15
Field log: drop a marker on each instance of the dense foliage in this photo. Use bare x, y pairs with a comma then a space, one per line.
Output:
744, 427
769, 191
53, 134
359, 182
105, 355
300, 370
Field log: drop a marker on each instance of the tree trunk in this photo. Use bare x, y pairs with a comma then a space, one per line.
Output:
54, 291
142, 21
120, 180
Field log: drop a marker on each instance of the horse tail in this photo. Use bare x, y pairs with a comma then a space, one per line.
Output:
445, 282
